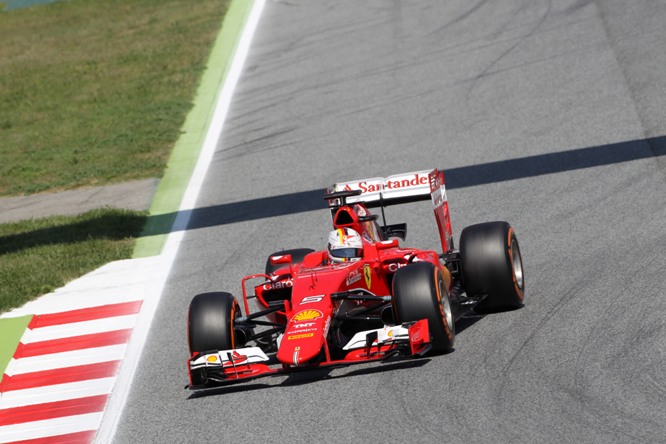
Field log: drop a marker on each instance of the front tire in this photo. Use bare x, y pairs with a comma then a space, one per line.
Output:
211, 322
419, 292
492, 265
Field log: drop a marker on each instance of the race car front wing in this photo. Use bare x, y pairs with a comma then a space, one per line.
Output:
224, 367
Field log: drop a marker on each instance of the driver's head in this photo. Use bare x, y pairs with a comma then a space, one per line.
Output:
344, 245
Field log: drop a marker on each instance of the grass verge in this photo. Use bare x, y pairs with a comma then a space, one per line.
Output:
90, 93
94, 92
38, 256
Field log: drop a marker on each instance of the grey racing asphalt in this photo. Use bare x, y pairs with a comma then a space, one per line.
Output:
548, 114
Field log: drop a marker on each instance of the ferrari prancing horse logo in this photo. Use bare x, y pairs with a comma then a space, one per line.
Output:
367, 273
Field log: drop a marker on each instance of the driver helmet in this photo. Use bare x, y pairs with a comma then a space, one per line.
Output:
344, 245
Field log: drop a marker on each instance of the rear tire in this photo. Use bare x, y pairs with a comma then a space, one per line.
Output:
297, 255
492, 266
419, 292
211, 322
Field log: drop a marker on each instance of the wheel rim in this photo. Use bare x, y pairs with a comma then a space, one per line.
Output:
517, 264
446, 306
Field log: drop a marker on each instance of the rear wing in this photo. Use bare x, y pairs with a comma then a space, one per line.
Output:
403, 188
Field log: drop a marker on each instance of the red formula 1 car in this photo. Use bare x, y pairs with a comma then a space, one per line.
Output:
366, 298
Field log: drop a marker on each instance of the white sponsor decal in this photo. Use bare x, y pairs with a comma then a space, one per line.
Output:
400, 185
390, 183
304, 325
288, 283
301, 330
395, 266
311, 299
328, 324
354, 276
375, 185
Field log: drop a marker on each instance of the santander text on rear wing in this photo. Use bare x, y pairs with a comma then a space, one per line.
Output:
403, 188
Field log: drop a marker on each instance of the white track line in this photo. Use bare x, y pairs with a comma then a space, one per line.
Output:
120, 393
79, 329
58, 392
67, 359
50, 427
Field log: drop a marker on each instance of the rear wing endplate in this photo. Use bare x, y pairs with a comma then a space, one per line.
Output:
403, 188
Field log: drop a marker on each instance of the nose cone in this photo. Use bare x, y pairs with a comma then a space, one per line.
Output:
303, 338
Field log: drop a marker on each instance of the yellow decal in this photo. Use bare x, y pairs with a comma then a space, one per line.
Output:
367, 272
211, 358
307, 315
304, 335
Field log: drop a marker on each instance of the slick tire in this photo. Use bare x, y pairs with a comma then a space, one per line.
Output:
419, 292
492, 266
297, 255
211, 320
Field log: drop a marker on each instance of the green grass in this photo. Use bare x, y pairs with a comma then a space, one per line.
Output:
95, 92
38, 256
91, 92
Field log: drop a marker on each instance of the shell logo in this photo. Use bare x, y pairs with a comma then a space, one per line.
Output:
307, 315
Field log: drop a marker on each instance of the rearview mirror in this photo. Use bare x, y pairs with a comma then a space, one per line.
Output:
281, 259
383, 245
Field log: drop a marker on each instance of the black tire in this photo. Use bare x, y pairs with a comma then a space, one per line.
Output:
211, 322
297, 255
492, 265
419, 292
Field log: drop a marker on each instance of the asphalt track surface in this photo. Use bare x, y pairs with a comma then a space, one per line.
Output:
548, 114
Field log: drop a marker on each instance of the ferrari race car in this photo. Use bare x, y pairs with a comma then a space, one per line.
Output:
377, 301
